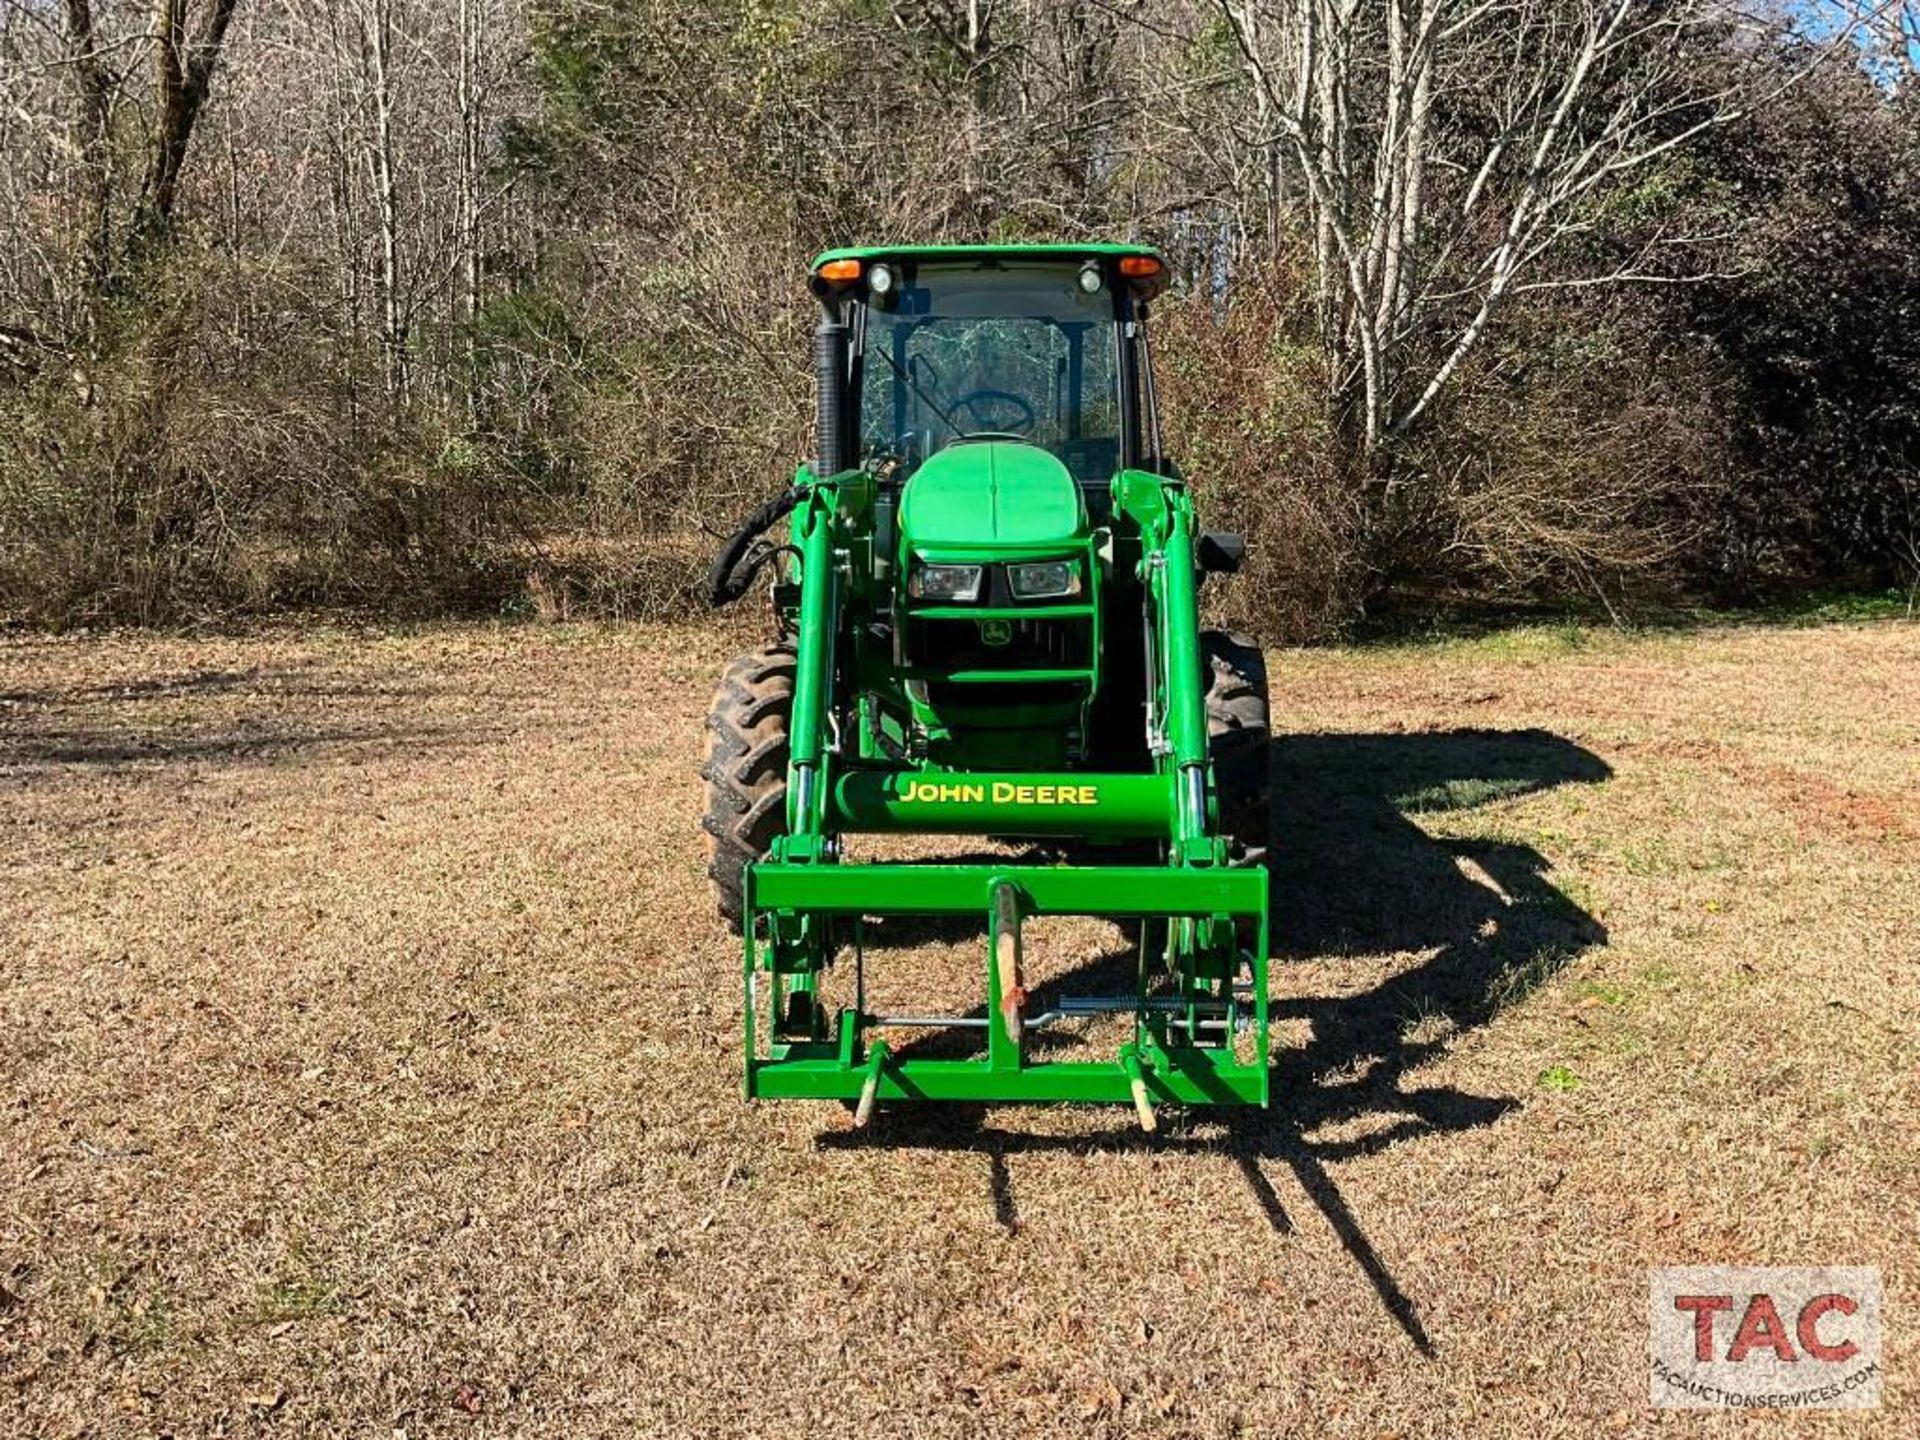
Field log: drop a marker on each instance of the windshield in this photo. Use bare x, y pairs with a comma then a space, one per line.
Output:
1004, 351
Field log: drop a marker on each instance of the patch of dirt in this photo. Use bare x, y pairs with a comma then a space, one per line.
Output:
1817, 803
1821, 804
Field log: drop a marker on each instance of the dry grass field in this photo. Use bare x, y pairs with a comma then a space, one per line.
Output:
368, 1060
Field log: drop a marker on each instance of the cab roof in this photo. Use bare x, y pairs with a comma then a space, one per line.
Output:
1092, 250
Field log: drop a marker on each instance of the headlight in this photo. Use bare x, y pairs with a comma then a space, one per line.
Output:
1047, 580
945, 582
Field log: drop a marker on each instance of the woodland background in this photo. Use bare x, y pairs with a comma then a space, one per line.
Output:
430, 306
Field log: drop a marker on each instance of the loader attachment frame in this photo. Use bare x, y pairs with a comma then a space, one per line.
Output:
1181, 1048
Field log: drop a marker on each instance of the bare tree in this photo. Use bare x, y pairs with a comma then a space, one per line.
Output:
1889, 32
185, 55
1444, 149
92, 120
372, 72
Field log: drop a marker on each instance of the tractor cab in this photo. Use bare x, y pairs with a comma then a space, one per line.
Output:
1043, 346
992, 394
922, 350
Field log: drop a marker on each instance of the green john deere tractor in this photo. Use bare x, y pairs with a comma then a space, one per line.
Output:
988, 625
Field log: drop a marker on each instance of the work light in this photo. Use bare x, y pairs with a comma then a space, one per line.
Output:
880, 279
945, 582
1044, 580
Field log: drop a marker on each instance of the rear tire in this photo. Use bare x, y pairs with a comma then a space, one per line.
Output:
746, 771
1239, 742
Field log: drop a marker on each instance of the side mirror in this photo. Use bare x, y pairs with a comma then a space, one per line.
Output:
1220, 552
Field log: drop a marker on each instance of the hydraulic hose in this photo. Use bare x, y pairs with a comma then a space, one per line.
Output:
723, 585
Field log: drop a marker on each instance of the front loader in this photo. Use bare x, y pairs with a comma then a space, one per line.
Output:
987, 614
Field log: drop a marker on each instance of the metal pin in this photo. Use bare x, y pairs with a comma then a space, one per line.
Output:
1141, 1105
870, 1087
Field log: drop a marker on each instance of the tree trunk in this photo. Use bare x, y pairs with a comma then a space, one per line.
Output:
376, 33
183, 73
91, 141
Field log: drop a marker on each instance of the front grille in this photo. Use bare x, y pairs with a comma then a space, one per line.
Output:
1033, 643
987, 705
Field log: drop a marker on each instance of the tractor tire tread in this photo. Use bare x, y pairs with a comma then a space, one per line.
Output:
746, 771
1239, 741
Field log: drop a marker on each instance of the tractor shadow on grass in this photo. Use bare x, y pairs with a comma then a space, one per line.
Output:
1356, 878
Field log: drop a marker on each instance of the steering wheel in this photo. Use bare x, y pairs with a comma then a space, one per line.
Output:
998, 412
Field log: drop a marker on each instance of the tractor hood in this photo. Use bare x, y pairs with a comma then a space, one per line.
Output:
991, 495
